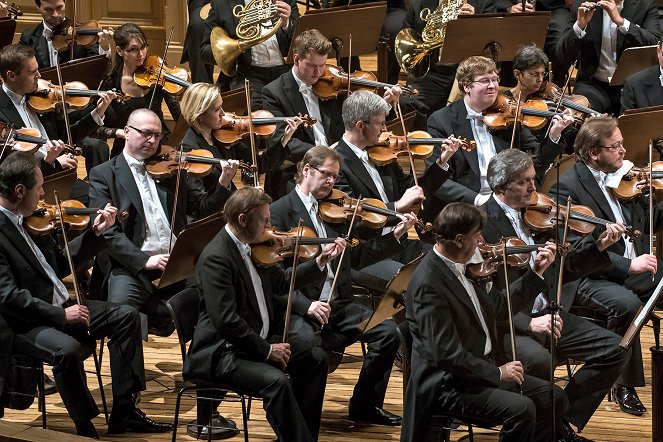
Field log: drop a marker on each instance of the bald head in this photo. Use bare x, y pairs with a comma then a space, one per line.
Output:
143, 134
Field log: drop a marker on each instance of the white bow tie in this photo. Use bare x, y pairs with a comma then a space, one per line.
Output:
305, 88
460, 267
139, 167
48, 33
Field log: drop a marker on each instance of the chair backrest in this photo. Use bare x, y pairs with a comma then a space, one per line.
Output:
184, 309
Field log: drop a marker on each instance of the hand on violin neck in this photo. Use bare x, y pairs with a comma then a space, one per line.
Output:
392, 94
413, 195
228, 172
105, 39
291, 125
542, 325
330, 251
644, 263
407, 221
67, 161
105, 219
52, 150
559, 123
104, 100
319, 311
448, 147
613, 233
544, 257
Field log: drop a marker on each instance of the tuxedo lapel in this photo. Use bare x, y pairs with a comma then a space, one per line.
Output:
588, 181
244, 271
498, 218
9, 230
356, 167
463, 128
8, 111
296, 101
126, 179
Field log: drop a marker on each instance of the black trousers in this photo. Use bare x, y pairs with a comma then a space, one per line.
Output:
602, 97
580, 340
70, 345
260, 77
195, 31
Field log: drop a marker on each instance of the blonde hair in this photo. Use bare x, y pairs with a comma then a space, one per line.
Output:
197, 99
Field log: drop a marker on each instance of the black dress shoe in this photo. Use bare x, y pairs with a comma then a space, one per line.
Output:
373, 415
136, 421
49, 385
628, 400
222, 428
568, 435
86, 429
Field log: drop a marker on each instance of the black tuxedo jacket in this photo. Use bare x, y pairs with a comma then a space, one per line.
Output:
34, 38
643, 89
583, 259
579, 183
282, 98
464, 183
286, 213
113, 182
26, 291
644, 30
447, 338
221, 15
229, 319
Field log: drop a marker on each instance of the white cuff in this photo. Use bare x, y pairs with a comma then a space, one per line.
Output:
580, 33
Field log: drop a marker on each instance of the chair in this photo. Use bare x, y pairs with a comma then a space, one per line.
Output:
184, 309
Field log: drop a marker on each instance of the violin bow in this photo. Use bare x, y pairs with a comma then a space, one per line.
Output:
651, 204
558, 104
64, 100
515, 123
340, 261
254, 154
177, 192
349, 63
6, 142
161, 65
509, 306
73, 36
291, 290
560, 275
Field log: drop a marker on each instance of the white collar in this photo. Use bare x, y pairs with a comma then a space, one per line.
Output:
13, 217
507, 209
361, 153
17, 99
471, 113
308, 200
244, 249
299, 82
131, 161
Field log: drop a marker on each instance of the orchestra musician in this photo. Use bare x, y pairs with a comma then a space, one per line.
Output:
131, 52
38, 310
644, 88
338, 319
236, 342
628, 283
201, 72
511, 176
479, 81
458, 365
138, 250
597, 35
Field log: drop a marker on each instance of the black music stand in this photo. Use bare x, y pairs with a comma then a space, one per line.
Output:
7, 29
190, 244
500, 36
637, 129
90, 70
62, 181
363, 22
633, 60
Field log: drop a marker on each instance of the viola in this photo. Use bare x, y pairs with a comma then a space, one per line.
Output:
542, 215
28, 139
46, 217
532, 114
68, 33
173, 80
579, 104
637, 179
389, 146
275, 245
48, 96
264, 125
517, 257
338, 208
335, 81
198, 162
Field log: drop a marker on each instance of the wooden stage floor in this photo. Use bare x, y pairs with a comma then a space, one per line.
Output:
163, 369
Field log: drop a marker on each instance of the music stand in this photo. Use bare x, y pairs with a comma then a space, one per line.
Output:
62, 181
188, 247
7, 29
500, 36
90, 70
641, 317
395, 124
363, 22
392, 300
633, 60
235, 100
637, 129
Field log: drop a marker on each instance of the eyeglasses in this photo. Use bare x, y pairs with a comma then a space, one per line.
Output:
541, 75
615, 147
487, 81
326, 174
147, 134
136, 49
377, 123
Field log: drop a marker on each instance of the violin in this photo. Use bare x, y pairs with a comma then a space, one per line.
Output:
338, 208
46, 217
579, 104
542, 215
264, 125
389, 146
335, 81
13, 11
82, 34
48, 96
517, 252
173, 80
198, 162
532, 114
28, 139
637, 179
275, 245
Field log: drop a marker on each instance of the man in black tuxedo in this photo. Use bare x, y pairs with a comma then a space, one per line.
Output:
36, 306
644, 88
238, 339
477, 77
628, 282
201, 72
261, 63
597, 35
139, 250
457, 363
292, 94
511, 175
316, 307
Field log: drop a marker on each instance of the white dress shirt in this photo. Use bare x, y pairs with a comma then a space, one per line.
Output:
485, 151
313, 107
267, 53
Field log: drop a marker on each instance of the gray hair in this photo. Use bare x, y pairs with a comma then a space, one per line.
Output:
362, 106
505, 166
